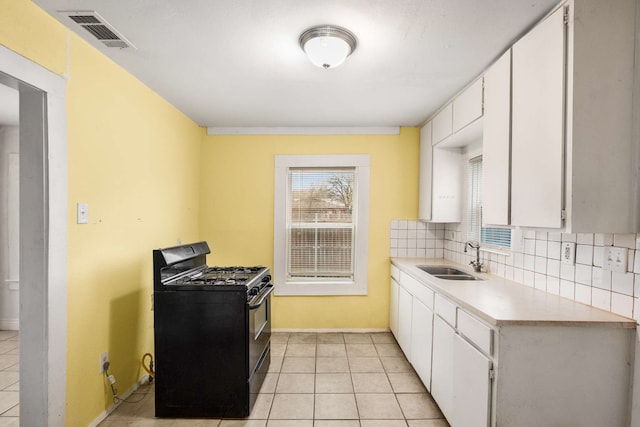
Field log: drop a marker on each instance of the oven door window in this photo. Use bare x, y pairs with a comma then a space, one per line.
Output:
260, 318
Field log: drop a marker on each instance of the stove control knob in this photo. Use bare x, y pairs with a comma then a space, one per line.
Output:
253, 291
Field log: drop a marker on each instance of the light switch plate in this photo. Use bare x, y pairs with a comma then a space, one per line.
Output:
615, 259
83, 213
568, 253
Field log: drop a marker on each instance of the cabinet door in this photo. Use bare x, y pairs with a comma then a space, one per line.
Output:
471, 386
538, 86
443, 124
421, 341
496, 142
467, 107
426, 167
393, 308
442, 366
405, 302
446, 203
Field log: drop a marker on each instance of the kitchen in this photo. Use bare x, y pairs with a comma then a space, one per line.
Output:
123, 166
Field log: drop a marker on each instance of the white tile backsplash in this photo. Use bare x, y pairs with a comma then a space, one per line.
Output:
553, 285
601, 299
624, 240
622, 304
601, 239
553, 250
541, 247
584, 254
583, 274
622, 283
553, 268
585, 238
583, 293
538, 264
555, 237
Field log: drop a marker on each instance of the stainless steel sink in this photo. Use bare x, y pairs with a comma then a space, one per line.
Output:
447, 273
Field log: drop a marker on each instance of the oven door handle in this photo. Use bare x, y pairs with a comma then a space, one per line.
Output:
265, 294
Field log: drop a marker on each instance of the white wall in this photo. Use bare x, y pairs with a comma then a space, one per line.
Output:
9, 228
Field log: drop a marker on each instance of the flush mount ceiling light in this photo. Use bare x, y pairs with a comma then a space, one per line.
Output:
327, 46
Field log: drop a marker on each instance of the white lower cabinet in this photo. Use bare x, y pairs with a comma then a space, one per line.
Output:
526, 375
405, 303
442, 366
421, 341
471, 385
393, 307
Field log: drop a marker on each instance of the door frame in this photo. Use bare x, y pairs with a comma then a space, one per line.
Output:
43, 238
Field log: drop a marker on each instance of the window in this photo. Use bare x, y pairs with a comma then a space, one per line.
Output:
475, 231
321, 225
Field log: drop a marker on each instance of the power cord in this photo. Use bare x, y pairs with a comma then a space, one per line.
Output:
112, 380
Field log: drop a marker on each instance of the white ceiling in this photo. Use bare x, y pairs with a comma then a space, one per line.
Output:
238, 63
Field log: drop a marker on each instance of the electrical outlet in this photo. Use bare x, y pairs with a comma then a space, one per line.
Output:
104, 358
568, 253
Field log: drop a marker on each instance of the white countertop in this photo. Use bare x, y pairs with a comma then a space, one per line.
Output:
503, 302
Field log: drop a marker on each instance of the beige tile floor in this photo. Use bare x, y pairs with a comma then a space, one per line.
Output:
320, 380
9, 378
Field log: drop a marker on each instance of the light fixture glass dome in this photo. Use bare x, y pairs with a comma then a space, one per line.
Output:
327, 46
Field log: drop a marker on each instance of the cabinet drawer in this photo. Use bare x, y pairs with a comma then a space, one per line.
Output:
395, 272
475, 331
446, 310
425, 296
418, 290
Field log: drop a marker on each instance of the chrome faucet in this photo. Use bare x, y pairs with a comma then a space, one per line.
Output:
477, 265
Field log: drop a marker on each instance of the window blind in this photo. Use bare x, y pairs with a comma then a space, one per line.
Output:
321, 223
475, 230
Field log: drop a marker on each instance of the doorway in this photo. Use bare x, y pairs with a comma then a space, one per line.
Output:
9, 209
43, 238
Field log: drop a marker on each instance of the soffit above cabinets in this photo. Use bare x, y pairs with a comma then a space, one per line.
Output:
238, 64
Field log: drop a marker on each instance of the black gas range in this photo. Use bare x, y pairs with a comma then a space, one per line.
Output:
212, 329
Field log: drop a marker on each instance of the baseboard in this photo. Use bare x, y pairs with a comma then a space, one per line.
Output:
110, 409
345, 330
9, 325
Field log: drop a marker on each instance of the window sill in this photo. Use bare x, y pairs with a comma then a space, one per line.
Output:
320, 289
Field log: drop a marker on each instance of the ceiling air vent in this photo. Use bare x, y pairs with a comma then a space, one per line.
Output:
98, 27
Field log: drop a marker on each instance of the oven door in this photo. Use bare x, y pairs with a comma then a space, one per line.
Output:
259, 328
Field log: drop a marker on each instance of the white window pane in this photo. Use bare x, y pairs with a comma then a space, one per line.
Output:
320, 241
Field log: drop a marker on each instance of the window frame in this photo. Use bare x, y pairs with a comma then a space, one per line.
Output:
477, 213
359, 284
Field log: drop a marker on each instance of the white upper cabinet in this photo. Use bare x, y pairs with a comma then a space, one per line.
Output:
560, 120
446, 201
443, 124
537, 143
426, 168
572, 121
601, 185
467, 107
496, 142
440, 187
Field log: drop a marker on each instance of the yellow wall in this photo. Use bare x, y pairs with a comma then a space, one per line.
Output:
134, 159
236, 214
